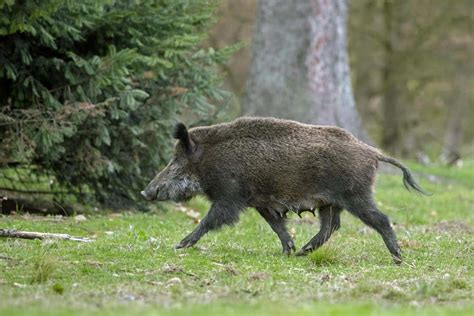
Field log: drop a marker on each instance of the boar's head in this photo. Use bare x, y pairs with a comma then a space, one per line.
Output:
179, 180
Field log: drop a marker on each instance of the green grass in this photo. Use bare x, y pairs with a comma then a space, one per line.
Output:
132, 268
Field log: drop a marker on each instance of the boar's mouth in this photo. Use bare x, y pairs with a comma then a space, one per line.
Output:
177, 190
149, 196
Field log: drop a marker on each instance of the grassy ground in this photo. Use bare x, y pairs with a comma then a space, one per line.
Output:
132, 267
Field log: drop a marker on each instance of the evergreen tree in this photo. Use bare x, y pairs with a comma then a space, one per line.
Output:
90, 89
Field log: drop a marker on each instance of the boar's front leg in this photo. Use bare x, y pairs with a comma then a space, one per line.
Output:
277, 223
221, 213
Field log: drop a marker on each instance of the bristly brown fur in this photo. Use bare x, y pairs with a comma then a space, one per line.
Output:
180, 132
278, 166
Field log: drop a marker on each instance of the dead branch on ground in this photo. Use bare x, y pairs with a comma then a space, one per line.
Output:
11, 233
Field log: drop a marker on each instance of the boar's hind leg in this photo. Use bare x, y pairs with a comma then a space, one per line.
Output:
221, 213
329, 217
372, 216
277, 223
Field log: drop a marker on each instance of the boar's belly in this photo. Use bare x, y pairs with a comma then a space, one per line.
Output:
284, 204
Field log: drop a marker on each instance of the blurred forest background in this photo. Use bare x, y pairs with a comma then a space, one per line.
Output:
89, 90
411, 65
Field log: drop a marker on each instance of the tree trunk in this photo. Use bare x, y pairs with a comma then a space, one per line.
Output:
299, 68
392, 114
454, 134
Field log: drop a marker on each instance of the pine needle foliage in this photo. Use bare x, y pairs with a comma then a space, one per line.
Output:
89, 89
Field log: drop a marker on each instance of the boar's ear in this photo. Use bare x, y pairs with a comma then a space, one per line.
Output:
181, 133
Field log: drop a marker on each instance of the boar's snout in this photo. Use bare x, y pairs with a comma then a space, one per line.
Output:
147, 195
150, 193
175, 182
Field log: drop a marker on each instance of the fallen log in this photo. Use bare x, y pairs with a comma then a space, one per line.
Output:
10, 204
12, 233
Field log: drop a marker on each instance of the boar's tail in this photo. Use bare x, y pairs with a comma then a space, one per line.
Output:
408, 180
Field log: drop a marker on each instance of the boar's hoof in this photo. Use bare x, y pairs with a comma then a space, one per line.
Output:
397, 260
288, 248
186, 243
304, 251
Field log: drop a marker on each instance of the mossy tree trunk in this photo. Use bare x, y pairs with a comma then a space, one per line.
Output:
393, 113
299, 68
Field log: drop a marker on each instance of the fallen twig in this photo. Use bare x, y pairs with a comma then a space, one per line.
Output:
6, 257
11, 233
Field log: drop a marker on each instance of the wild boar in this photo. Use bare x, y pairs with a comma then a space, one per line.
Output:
276, 166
